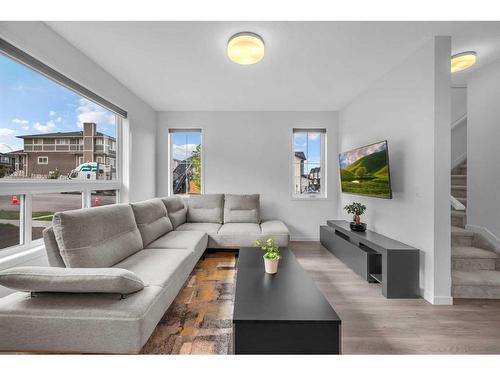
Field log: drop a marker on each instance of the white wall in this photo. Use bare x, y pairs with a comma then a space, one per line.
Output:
483, 151
459, 129
250, 152
42, 42
458, 102
410, 107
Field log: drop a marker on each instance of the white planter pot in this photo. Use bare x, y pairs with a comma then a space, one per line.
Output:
271, 265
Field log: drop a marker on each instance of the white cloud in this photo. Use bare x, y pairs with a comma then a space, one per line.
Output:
52, 113
180, 150
4, 147
26, 127
20, 122
313, 136
58, 119
45, 128
91, 112
6, 132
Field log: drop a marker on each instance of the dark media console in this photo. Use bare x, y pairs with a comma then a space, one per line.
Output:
376, 258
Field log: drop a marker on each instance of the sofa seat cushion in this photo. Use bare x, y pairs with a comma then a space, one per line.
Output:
156, 266
274, 227
152, 219
242, 208
238, 235
177, 210
91, 323
205, 208
191, 240
208, 228
97, 237
71, 280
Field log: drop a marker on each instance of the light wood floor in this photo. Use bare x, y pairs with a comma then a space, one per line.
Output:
372, 324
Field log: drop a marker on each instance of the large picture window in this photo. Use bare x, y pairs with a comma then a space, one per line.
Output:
309, 163
185, 161
46, 130
59, 148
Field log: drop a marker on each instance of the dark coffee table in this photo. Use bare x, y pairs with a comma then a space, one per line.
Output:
283, 313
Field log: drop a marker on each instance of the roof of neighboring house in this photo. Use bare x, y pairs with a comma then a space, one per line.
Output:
62, 134
16, 152
300, 155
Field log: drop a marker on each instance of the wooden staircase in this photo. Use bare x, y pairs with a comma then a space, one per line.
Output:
475, 266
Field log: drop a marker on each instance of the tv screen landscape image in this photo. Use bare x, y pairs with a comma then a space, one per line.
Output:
365, 171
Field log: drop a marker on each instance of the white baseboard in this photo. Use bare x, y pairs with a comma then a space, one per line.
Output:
487, 234
436, 300
307, 237
443, 300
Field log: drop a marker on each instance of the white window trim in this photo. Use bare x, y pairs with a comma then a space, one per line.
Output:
62, 141
42, 157
171, 159
323, 165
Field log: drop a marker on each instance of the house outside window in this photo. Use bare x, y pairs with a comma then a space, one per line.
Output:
52, 128
309, 163
186, 167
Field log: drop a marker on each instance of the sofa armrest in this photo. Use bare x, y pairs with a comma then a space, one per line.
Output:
270, 227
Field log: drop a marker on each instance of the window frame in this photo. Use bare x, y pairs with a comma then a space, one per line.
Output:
26, 187
323, 194
42, 157
172, 131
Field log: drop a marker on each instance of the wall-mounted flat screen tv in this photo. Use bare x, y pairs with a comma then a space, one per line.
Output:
365, 171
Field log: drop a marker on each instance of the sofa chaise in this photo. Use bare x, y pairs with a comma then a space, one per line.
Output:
116, 269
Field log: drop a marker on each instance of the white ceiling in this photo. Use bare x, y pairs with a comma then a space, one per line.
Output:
307, 65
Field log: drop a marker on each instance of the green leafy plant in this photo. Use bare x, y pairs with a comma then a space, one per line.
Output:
357, 209
272, 250
197, 167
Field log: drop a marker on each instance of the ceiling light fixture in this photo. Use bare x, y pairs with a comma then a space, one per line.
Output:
462, 61
245, 48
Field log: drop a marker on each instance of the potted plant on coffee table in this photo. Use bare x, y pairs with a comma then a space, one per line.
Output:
272, 255
357, 209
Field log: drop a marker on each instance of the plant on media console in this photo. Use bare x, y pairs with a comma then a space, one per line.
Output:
356, 209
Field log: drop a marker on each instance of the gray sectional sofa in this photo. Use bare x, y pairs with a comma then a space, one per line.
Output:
149, 248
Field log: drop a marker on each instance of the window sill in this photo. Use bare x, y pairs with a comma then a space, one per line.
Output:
22, 256
309, 198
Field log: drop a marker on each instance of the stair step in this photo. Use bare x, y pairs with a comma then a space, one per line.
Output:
461, 232
468, 258
476, 284
461, 237
459, 191
462, 200
476, 278
472, 252
459, 179
458, 218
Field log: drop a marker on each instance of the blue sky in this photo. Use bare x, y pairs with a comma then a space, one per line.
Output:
310, 145
33, 104
184, 144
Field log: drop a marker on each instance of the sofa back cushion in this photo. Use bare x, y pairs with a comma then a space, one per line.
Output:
97, 237
206, 208
242, 208
177, 210
152, 220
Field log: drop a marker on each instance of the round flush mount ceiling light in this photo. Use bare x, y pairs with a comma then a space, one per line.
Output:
245, 48
462, 61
